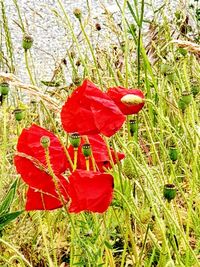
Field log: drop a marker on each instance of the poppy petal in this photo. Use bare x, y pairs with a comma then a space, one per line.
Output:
37, 200
90, 191
90, 111
38, 178
29, 143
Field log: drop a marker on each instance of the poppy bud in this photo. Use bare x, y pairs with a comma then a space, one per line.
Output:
169, 192
45, 141
131, 99
186, 97
133, 127
173, 153
77, 13
27, 41
86, 150
19, 114
75, 140
4, 88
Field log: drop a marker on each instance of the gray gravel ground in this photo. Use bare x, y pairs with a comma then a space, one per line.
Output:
51, 39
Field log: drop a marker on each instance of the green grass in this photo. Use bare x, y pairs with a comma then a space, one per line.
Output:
140, 227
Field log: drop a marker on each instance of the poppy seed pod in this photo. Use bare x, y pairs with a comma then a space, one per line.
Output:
169, 192
186, 97
173, 153
19, 114
77, 13
75, 140
4, 88
98, 26
27, 41
45, 141
182, 104
195, 90
86, 150
133, 126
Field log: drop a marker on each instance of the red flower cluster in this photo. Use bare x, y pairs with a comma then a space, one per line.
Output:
90, 112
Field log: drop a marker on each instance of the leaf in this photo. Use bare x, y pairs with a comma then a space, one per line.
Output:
7, 218
107, 244
8, 199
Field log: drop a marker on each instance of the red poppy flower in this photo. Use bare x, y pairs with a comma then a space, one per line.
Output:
31, 164
90, 191
100, 153
126, 107
90, 111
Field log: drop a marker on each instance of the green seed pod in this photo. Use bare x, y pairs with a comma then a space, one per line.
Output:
182, 104
165, 69
77, 13
186, 97
45, 141
195, 90
169, 192
75, 140
173, 153
27, 42
133, 126
19, 114
4, 88
86, 150
128, 168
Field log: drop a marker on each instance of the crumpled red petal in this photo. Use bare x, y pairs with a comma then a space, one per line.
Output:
90, 191
90, 111
36, 200
116, 93
29, 143
100, 153
31, 164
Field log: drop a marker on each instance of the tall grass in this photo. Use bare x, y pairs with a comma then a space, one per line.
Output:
140, 228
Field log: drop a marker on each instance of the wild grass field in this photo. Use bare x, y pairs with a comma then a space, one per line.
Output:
88, 178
